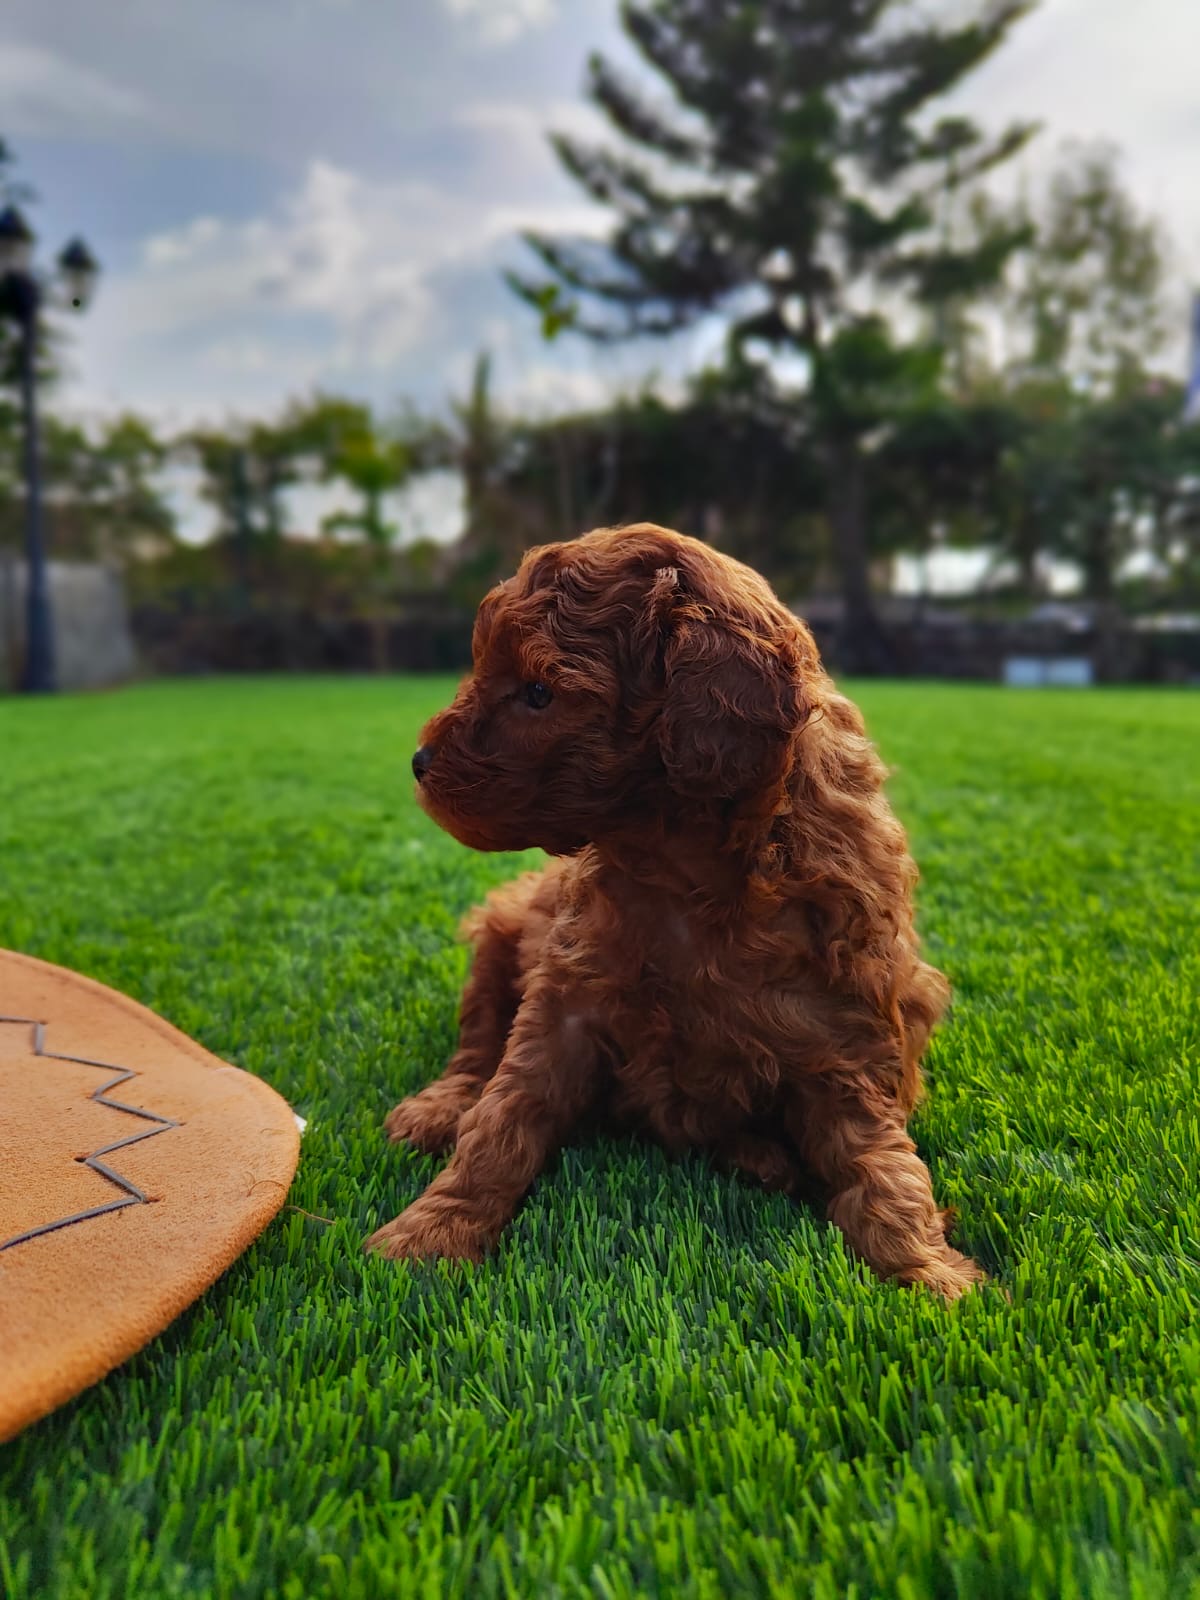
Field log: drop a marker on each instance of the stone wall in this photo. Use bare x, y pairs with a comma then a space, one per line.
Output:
93, 642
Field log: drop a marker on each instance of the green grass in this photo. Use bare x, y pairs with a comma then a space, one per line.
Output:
664, 1383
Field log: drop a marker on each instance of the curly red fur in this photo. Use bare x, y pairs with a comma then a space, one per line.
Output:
721, 953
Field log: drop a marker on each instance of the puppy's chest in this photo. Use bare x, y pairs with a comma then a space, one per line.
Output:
661, 982
669, 948
717, 967
693, 1058
660, 953
683, 990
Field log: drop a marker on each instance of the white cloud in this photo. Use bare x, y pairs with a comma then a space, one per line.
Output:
495, 22
542, 390
180, 244
363, 256
234, 358
46, 96
1105, 70
346, 281
524, 125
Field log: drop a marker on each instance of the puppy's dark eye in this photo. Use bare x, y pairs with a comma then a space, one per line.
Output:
537, 695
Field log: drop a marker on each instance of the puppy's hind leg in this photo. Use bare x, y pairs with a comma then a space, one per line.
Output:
497, 929
771, 1163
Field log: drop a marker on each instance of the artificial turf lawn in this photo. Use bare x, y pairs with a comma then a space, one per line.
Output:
665, 1382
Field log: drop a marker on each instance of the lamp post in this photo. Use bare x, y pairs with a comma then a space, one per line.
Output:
21, 296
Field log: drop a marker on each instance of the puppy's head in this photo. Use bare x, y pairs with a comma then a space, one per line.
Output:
627, 676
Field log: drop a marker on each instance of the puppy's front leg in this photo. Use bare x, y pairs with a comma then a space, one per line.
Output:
541, 1090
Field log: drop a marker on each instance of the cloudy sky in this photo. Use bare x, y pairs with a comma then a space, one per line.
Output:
291, 192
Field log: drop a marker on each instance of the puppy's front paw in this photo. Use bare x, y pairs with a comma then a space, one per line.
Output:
428, 1120
430, 1228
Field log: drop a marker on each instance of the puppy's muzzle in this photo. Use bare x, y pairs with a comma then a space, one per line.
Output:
422, 761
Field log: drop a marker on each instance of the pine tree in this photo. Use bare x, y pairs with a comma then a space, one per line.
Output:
802, 186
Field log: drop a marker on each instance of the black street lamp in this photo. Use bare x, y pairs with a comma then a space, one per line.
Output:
21, 296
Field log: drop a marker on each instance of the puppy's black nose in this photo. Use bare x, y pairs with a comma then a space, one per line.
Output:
422, 761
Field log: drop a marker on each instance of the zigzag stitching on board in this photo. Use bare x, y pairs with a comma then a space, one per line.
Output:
133, 1196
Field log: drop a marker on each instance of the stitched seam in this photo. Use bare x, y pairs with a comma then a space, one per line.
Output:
133, 1196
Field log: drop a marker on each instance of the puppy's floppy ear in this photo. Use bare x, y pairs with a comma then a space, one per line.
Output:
734, 698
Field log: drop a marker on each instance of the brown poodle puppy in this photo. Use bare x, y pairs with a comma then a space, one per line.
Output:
722, 953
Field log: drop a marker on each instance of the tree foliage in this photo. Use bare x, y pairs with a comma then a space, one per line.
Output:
793, 188
1089, 301
103, 492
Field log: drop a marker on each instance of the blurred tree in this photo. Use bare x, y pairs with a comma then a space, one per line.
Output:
1083, 313
272, 464
11, 486
343, 442
220, 455
936, 474
1090, 301
103, 498
1126, 472
246, 469
133, 517
795, 189
1176, 528
726, 462
318, 425
1093, 480
15, 191
11, 518
373, 468
72, 481
481, 446
1034, 488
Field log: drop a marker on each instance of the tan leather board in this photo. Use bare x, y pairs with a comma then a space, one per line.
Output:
195, 1178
